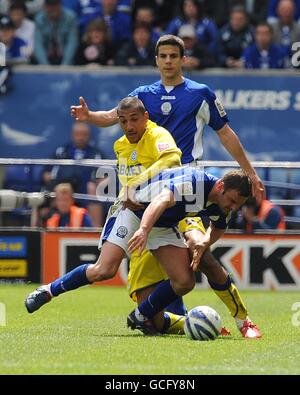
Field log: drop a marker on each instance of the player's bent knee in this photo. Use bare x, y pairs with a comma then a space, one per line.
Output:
183, 287
101, 272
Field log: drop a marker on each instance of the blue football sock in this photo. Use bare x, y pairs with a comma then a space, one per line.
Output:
177, 307
161, 297
72, 280
221, 287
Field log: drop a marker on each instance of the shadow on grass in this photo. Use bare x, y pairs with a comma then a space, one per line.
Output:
173, 337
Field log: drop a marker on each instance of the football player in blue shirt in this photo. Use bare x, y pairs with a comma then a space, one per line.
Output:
176, 194
184, 107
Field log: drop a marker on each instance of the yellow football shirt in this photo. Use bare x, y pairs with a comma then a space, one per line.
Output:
133, 159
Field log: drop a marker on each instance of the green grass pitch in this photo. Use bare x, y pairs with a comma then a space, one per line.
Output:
84, 332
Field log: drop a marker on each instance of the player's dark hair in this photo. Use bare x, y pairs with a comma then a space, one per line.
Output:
129, 103
169, 39
238, 180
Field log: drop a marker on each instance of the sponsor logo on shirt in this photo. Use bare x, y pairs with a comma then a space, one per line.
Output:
162, 146
166, 107
220, 108
130, 170
168, 98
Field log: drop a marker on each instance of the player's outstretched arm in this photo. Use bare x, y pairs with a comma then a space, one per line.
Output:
233, 145
97, 118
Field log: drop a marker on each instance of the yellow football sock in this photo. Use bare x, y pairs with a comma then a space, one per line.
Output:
174, 324
232, 299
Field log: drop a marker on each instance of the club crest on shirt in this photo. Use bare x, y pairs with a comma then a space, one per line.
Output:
166, 107
133, 155
122, 231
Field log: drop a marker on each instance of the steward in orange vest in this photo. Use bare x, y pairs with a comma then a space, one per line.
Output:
269, 216
76, 218
265, 212
67, 214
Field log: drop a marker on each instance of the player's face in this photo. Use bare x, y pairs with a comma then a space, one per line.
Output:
229, 200
169, 61
133, 123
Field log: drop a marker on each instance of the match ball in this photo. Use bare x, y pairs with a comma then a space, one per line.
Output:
202, 323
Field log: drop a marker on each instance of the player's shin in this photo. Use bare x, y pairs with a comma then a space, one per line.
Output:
72, 280
230, 296
161, 297
177, 307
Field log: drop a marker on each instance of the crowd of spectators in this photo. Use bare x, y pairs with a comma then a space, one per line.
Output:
256, 34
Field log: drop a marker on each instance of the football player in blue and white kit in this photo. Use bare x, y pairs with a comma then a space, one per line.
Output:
184, 107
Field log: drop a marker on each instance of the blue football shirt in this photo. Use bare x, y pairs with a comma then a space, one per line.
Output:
183, 110
191, 187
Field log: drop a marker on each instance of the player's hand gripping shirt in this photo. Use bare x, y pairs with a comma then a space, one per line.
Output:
183, 110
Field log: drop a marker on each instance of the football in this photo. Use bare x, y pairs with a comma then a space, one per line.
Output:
202, 323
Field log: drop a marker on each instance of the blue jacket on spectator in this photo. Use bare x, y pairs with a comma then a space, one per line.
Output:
66, 34
206, 31
119, 22
231, 43
274, 58
120, 25
78, 176
16, 51
84, 9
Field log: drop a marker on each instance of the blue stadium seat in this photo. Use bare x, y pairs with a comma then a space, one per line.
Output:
277, 175
25, 178
296, 211
295, 176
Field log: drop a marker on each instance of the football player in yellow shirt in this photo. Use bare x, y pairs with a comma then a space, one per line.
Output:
140, 156
144, 151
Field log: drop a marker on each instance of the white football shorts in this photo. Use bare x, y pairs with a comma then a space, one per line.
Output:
121, 226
